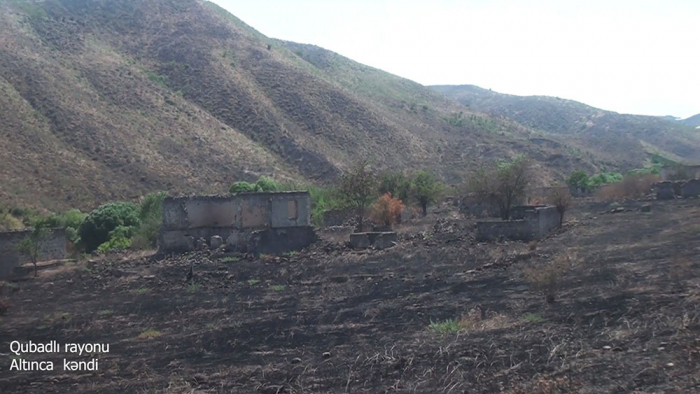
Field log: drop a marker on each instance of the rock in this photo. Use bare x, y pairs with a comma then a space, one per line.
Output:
215, 242
296, 360
646, 208
359, 240
617, 210
202, 244
607, 347
385, 240
326, 355
669, 364
664, 191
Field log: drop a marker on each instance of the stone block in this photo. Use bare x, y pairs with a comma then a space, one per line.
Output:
215, 242
385, 240
359, 240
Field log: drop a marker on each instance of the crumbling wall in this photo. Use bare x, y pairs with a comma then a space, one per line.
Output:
691, 188
233, 217
529, 223
51, 247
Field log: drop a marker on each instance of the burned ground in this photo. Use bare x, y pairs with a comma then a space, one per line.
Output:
332, 320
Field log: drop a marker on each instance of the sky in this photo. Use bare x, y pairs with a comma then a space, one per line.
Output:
638, 57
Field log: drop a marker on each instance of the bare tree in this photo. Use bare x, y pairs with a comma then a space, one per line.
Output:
561, 199
358, 188
502, 184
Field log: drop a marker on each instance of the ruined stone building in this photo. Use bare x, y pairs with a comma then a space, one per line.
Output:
270, 222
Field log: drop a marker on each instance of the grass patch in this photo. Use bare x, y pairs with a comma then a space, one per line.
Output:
445, 327
253, 282
150, 334
237, 324
277, 287
140, 291
105, 312
193, 287
211, 326
230, 259
532, 318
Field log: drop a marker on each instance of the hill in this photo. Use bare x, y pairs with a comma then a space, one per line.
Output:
104, 100
693, 121
627, 139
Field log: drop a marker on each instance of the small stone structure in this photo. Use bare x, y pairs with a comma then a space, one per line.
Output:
252, 222
691, 189
529, 223
664, 190
379, 240
51, 247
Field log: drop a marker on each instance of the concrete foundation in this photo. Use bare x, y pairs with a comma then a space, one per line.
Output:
52, 247
530, 223
235, 219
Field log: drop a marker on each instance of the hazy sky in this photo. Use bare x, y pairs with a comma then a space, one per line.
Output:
636, 56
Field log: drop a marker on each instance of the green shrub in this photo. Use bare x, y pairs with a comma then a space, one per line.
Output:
242, 187
117, 243
265, 184
98, 225
150, 215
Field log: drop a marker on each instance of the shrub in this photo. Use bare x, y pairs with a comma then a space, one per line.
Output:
634, 185
150, 214
322, 200
242, 187
115, 243
546, 279
387, 210
98, 225
265, 184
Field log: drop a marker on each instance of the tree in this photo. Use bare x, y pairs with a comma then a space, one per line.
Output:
31, 245
396, 183
578, 179
561, 199
98, 225
425, 189
503, 184
357, 188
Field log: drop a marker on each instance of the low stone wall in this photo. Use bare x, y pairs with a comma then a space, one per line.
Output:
532, 222
52, 247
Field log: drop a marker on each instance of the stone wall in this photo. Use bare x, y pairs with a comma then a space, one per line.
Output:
691, 188
233, 217
52, 247
530, 222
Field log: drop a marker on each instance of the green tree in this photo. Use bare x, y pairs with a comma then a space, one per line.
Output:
98, 225
31, 245
150, 217
358, 189
503, 184
265, 184
578, 179
396, 183
425, 189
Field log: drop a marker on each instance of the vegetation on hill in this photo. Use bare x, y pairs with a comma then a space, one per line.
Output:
619, 141
112, 100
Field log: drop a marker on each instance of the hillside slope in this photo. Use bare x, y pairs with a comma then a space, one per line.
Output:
693, 121
104, 100
626, 139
